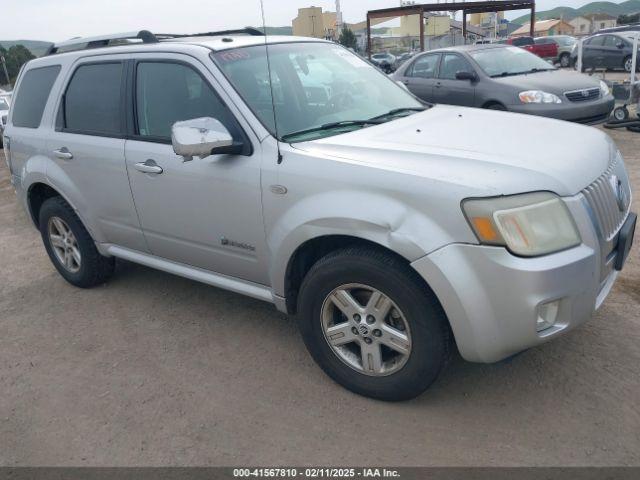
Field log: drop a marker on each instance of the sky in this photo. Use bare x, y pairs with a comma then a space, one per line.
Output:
56, 20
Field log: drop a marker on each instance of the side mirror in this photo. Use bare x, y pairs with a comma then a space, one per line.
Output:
466, 76
620, 45
202, 137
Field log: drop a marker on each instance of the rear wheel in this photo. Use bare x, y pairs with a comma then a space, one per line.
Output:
70, 247
372, 325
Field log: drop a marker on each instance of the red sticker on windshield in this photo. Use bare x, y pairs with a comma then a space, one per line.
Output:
234, 55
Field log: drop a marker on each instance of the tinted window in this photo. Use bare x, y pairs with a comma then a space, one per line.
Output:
452, 64
93, 102
167, 93
424, 67
597, 41
33, 95
521, 41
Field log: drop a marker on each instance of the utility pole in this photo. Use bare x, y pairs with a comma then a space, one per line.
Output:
4, 67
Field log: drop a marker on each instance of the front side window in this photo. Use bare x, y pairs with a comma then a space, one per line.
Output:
93, 101
452, 64
314, 85
167, 93
497, 62
3, 104
32, 96
425, 67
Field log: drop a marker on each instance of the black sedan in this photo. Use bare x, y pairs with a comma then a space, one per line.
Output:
503, 77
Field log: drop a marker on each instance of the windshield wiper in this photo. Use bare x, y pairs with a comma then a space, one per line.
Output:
332, 125
396, 111
533, 70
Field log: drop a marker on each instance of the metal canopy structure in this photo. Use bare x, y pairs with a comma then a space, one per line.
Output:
465, 7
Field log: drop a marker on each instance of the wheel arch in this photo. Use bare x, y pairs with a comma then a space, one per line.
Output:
491, 102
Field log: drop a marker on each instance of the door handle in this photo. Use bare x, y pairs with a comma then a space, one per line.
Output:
150, 166
63, 153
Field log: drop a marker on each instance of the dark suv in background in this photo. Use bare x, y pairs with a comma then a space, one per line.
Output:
611, 51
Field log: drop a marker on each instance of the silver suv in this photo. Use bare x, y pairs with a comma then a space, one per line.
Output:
292, 171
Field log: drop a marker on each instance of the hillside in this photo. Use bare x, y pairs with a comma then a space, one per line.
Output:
36, 47
568, 13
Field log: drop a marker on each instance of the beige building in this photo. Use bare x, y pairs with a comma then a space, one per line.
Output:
484, 18
581, 26
313, 22
544, 28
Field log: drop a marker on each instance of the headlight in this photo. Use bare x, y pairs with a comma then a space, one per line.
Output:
529, 225
604, 89
538, 96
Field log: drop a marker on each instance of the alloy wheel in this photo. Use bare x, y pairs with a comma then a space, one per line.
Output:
64, 244
366, 330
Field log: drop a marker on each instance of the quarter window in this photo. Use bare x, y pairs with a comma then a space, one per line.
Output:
167, 93
425, 67
93, 101
32, 96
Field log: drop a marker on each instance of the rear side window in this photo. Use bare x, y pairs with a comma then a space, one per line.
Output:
92, 103
425, 66
522, 41
32, 96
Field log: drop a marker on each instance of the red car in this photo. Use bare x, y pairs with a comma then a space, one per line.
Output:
544, 50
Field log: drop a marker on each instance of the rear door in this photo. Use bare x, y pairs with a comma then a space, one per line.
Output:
206, 213
87, 147
421, 76
450, 90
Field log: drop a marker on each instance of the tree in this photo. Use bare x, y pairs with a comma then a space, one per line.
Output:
15, 57
348, 38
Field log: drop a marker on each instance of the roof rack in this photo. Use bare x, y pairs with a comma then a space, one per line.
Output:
242, 31
146, 36
101, 41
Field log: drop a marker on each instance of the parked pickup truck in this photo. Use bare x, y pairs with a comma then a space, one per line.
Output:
544, 50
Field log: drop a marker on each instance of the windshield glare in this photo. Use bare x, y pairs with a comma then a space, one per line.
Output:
314, 84
3, 104
508, 61
565, 41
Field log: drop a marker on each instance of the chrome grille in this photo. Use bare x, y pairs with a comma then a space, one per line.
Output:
603, 200
583, 95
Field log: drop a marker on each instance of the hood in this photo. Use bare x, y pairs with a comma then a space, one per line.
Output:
554, 81
488, 152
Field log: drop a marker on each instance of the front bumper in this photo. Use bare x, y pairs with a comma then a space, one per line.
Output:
589, 113
493, 298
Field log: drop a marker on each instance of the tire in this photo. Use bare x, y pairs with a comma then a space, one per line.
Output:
496, 106
565, 60
626, 64
414, 312
620, 114
92, 269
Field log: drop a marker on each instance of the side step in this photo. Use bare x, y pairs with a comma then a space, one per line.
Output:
225, 282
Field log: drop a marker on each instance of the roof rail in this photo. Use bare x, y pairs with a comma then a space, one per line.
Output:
101, 41
242, 31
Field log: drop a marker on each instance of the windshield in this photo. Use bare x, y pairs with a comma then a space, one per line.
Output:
497, 62
3, 104
314, 85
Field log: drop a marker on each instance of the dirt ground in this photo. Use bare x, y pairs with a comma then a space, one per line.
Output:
153, 369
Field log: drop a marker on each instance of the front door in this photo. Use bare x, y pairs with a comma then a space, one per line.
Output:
450, 90
420, 77
205, 213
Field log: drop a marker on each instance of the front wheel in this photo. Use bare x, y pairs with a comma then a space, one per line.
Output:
565, 60
372, 325
628, 63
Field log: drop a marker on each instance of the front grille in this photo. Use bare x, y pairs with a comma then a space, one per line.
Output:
602, 197
583, 95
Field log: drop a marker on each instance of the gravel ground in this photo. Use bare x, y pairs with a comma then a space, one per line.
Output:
153, 369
